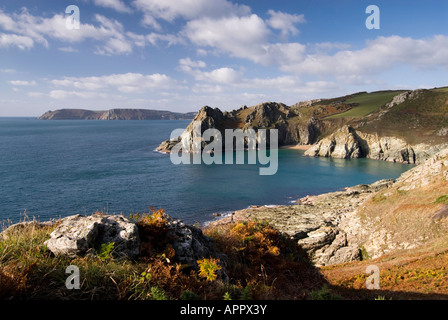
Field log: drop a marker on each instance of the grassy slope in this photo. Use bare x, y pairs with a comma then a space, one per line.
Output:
406, 213
366, 103
414, 274
416, 120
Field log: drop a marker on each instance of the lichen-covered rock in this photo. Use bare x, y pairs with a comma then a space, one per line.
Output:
78, 235
190, 244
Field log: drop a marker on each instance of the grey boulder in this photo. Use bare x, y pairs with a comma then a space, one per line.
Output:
78, 235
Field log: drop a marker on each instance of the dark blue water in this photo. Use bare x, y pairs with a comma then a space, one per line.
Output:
51, 169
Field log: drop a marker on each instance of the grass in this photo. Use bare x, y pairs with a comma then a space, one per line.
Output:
443, 89
413, 274
416, 120
366, 103
261, 264
442, 199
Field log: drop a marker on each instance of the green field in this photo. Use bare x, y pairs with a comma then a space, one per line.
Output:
366, 103
444, 89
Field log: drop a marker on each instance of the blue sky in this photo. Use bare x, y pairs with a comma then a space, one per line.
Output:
180, 55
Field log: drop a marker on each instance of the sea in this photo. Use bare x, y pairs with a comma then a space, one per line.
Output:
52, 169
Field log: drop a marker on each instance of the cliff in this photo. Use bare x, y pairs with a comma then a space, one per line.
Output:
115, 114
293, 127
398, 126
348, 143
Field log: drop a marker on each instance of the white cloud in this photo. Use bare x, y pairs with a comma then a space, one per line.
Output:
26, 30
14, 40
221, 75
36, 94
378, 56
7, 70
170, 39
285, 22
241, 37
22, 83
117, 5
187, 65
126, 82
68, 49
188, 9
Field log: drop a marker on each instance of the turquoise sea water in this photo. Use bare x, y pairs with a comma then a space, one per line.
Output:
51, 169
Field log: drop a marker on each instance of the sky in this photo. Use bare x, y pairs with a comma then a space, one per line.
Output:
180, 55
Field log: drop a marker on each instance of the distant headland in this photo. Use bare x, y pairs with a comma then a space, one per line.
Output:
115, 114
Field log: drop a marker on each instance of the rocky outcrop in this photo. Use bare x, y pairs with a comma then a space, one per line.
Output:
115, 114
292, 128
348, 143
318, 223
78, 235
406, 215
190, 244
423, 175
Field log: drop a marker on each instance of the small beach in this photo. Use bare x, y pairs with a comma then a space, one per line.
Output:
303, 147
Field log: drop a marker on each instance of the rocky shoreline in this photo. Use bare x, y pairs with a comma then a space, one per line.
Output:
333, 227
324, 225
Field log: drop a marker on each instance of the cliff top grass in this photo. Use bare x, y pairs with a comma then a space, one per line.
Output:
418, 274
366, 103
415, 120
262, 264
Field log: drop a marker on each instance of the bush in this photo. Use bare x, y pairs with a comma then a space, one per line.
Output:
208, 268
442, 199
324, 294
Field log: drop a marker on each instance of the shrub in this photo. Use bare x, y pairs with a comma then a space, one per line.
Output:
324, 294
442, 199
106, 250
189, 295
208, 268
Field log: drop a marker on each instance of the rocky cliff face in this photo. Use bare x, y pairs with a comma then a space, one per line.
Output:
292, 127
396, 126
348, 143
410, 213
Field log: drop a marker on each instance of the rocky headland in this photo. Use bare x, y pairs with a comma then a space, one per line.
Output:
115, 114
396, 126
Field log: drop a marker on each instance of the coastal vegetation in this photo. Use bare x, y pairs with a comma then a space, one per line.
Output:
262, 264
